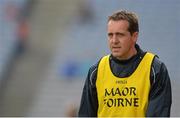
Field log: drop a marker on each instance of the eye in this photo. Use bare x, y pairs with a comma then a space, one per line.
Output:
120, 34
110, 35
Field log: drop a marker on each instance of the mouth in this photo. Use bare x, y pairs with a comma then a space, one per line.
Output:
116, 47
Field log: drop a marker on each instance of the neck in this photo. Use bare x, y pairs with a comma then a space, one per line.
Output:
131, 53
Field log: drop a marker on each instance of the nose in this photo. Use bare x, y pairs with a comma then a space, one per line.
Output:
114, 39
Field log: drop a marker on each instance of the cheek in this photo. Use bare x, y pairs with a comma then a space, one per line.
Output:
126, 43
109, 42
128, 40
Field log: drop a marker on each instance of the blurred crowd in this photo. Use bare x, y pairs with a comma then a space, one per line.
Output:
14, 30
79, 32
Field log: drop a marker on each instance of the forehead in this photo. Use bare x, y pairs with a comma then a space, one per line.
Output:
122, 23
118, 25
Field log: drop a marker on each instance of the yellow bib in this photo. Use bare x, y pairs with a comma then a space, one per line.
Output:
123, 97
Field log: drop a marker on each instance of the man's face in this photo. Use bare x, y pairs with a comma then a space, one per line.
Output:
121, 42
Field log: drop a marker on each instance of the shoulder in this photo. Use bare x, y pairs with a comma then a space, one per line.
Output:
92, 74
158, 70
94, 68
158, 65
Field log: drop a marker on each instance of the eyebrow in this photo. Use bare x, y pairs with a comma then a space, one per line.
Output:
117, 33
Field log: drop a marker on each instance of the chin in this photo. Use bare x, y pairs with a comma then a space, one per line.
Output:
116, 55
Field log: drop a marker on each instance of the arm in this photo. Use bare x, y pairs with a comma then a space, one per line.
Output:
160, 97
89, 101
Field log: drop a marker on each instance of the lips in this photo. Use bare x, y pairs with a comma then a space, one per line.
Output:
115, 49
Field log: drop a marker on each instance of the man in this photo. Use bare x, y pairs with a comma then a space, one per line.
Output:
129, 82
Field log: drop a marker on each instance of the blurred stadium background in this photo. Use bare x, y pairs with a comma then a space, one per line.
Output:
47, 46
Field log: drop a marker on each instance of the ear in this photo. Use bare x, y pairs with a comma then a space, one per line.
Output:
135, 36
